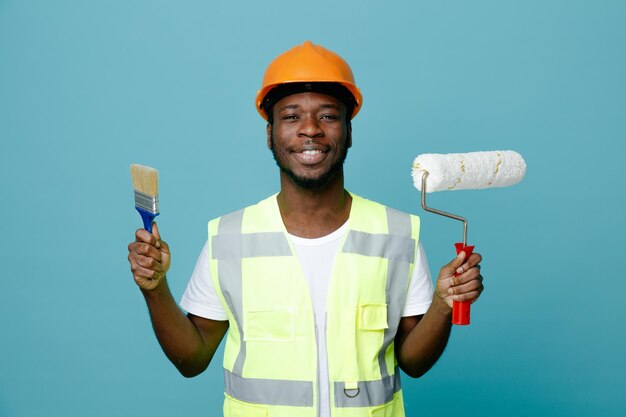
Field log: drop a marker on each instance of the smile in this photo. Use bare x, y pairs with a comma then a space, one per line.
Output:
310, 156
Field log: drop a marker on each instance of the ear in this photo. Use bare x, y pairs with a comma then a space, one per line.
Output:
269, 135
349, 135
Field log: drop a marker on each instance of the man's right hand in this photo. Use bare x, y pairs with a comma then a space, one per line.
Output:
149, 258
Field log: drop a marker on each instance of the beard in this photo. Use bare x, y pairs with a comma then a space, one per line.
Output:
313, 183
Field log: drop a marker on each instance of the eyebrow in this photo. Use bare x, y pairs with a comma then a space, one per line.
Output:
322, 106
289, 106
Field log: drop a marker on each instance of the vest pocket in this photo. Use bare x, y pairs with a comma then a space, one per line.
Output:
269, 325
371, 322
393, 408
236, 408
372, 317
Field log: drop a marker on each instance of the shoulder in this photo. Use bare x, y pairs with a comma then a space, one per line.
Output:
373, 207
234, 219
376, 218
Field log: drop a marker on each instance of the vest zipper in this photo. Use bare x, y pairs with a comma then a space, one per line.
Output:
330, 411
317, 360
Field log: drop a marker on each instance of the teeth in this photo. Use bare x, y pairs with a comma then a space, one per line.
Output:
314, 152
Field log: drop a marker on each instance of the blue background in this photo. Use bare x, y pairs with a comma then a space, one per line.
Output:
86, 88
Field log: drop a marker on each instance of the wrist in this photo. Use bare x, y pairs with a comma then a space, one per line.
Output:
157, 290
441, 307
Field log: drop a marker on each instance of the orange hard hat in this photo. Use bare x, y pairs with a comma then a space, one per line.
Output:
308, 63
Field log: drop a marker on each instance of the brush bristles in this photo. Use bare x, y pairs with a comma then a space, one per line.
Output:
145, 179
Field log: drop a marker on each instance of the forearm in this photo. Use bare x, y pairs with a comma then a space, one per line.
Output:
425, 342
178, 336
420, 342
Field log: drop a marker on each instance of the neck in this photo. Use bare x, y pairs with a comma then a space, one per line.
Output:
313, 213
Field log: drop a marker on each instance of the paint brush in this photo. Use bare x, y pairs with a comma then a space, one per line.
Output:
146, 185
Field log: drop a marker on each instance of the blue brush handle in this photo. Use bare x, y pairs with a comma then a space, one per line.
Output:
147, 217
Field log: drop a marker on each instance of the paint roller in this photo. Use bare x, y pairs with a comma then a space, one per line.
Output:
465, 171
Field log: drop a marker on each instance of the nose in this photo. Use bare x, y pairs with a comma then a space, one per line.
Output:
310, 128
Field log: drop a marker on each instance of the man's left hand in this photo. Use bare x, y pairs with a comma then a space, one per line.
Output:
460, 280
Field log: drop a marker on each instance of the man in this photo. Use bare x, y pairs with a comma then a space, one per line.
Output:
325, 293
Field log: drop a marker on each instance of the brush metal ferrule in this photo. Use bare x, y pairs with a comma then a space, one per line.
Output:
147, 202
440, 212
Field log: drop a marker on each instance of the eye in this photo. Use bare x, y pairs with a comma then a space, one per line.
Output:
289, 116
330, 117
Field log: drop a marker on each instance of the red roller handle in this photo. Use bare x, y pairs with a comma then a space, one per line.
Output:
461, 309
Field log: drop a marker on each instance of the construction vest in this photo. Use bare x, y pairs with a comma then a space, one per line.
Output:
270, 358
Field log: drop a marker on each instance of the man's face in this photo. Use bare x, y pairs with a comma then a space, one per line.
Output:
310, 138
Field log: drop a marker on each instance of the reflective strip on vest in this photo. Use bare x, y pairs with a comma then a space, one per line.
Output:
229, 247
399, 224
250, 245
368, 393
399, 248
231, 289
381, 246
269, 391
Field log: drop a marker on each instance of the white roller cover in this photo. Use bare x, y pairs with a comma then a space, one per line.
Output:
472, 170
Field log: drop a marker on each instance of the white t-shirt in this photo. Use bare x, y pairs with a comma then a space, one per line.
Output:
316, 256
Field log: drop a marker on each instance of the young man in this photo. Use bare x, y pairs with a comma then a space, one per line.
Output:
325, 293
